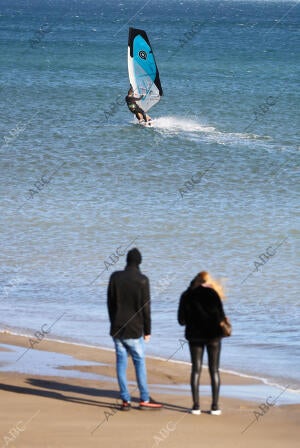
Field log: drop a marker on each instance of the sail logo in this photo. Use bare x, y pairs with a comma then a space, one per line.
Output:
143, 54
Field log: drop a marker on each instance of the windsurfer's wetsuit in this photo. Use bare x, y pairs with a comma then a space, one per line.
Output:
135, 108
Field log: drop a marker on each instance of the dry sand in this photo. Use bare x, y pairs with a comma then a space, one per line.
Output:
60, 412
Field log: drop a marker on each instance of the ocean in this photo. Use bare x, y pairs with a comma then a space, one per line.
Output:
213, 185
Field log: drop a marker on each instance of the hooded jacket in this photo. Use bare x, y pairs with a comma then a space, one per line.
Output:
128, 300
200, 310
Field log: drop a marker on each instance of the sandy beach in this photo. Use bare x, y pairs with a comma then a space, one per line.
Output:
58, 411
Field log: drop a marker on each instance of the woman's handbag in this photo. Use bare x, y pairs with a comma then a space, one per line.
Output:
226, 327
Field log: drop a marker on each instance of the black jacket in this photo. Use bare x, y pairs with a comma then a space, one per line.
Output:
128, 302
201, 311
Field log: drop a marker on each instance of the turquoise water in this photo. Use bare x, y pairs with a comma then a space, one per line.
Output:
213, 185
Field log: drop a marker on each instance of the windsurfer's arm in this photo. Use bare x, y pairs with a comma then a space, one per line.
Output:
135, 98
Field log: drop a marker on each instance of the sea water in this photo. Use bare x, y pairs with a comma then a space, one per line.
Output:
213, 185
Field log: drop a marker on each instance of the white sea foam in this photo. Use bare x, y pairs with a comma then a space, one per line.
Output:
178, 124
194, 129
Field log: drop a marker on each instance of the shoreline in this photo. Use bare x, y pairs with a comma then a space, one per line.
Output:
60, 411
249, 376
67, 356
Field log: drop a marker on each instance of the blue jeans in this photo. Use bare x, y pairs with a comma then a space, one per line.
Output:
135, 348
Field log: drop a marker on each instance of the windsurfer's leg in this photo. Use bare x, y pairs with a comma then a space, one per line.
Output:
139, 116
145, 116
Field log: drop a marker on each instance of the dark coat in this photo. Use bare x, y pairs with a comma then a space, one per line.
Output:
201, 311
128, 302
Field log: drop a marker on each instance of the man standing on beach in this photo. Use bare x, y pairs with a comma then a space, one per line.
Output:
128, 302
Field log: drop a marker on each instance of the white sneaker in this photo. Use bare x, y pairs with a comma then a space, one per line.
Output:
216, 412
196, 410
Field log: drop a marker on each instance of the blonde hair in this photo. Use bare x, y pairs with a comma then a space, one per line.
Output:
206, 280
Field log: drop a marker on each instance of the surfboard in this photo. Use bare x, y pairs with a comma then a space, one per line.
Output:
146, 123
142, 69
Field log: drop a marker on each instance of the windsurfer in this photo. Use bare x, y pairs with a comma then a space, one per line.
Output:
134, 107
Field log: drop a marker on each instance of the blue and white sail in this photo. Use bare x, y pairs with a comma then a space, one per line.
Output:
142, 69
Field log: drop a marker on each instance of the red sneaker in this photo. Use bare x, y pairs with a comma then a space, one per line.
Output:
125, 406
150, 404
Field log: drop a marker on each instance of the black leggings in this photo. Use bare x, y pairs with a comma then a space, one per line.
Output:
213, 351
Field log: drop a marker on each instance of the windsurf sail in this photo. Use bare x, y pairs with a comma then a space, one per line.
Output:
142, 69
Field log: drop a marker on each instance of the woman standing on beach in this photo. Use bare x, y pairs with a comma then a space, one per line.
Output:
201, 311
